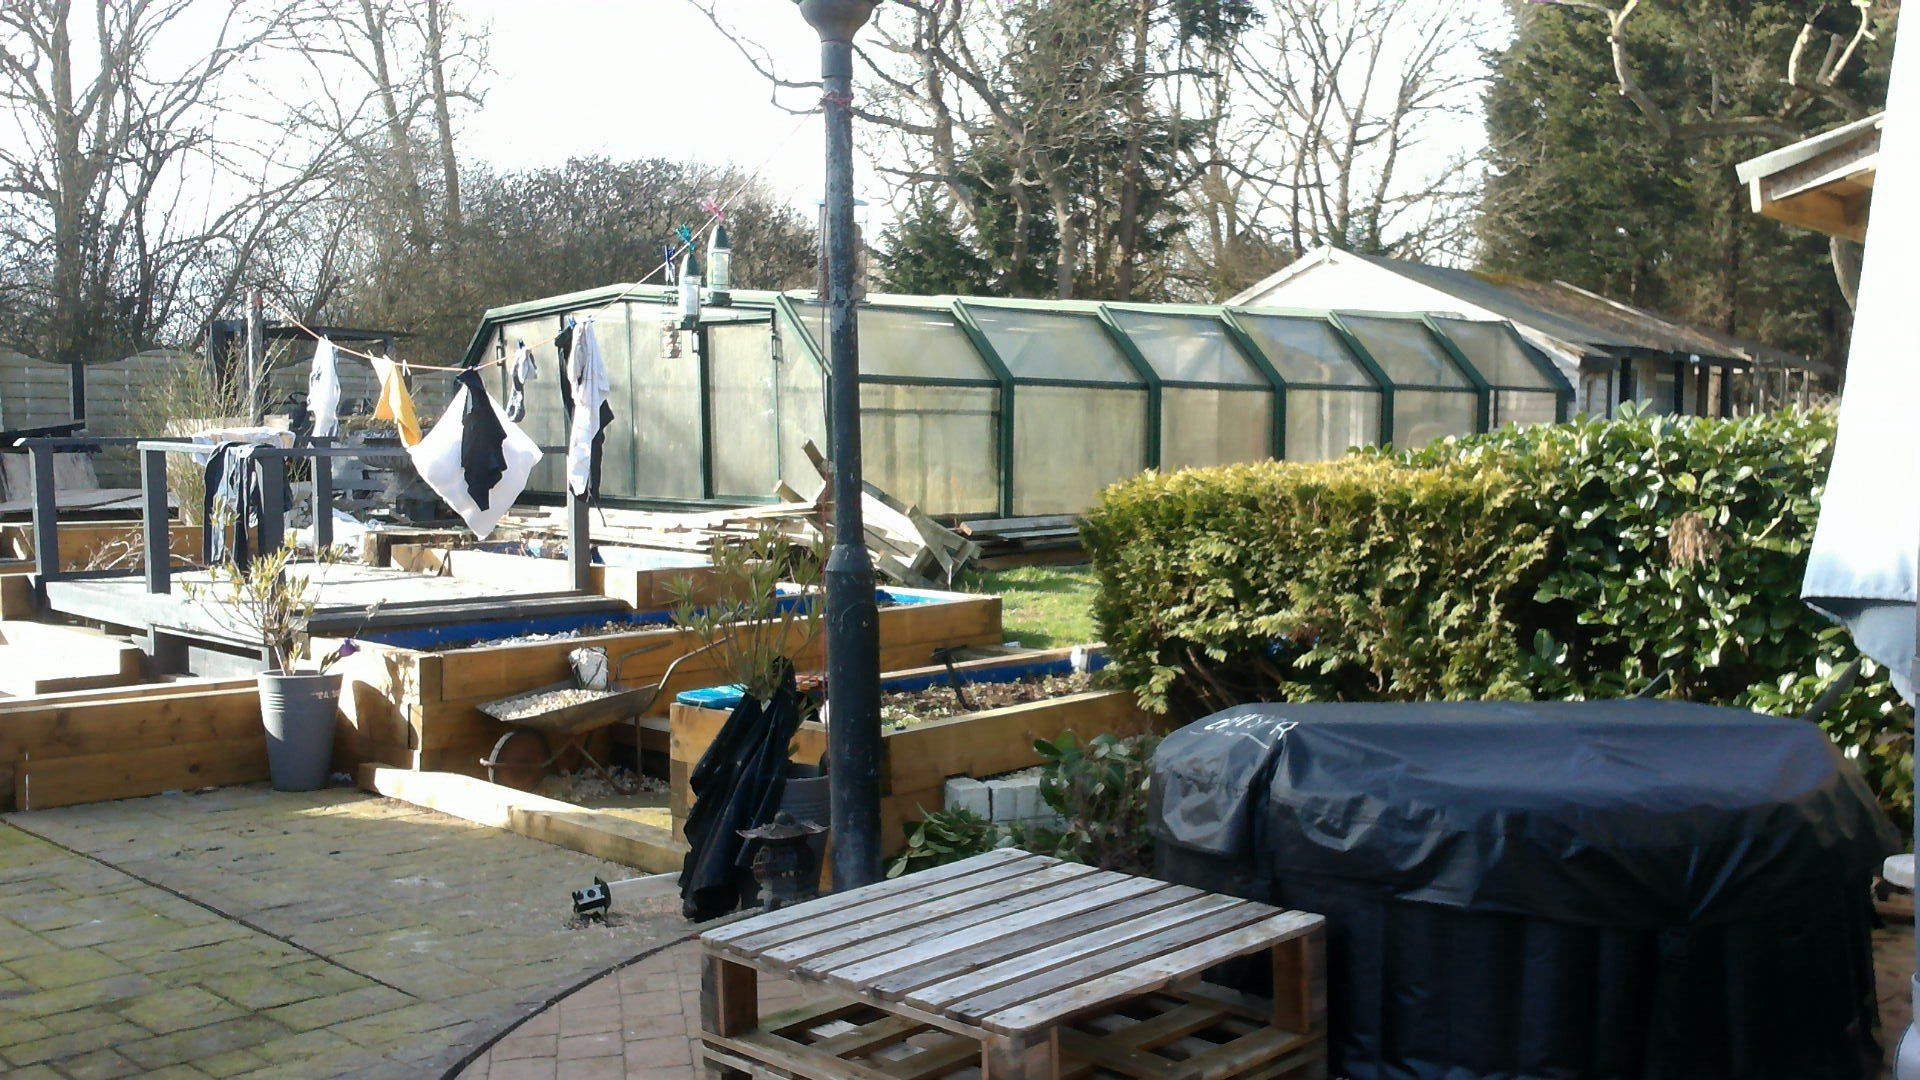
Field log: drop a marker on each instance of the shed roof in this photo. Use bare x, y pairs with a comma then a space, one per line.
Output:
1587, 321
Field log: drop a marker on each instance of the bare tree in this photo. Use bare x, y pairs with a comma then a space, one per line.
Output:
1347, 99
112, 155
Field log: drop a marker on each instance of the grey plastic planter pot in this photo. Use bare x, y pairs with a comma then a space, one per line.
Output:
298, 711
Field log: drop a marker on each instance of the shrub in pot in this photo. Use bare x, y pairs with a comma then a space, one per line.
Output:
269, 603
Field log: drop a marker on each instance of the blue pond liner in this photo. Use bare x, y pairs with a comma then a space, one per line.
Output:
726, 697
462, 634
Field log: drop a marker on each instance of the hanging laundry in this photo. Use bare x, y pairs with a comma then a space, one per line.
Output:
395, 403
474, 458
520, 371
323, 391
231, 502
590, 415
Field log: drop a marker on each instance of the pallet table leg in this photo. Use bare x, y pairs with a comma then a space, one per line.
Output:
1030, 1057
1300, 983
729, 1004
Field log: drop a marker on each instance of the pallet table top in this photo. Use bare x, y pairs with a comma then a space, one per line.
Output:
1007, 943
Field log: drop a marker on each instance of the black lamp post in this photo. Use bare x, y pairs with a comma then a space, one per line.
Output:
853, 636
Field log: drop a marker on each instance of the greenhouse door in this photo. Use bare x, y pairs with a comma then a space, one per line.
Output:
742, 415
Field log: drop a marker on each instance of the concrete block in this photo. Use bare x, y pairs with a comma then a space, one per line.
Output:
1016, 799
966, 793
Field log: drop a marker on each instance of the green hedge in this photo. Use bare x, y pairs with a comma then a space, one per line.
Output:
1560, 561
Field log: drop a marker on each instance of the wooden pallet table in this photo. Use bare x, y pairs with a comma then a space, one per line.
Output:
1015, 966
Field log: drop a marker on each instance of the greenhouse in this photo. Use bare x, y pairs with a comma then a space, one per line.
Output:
1009, 408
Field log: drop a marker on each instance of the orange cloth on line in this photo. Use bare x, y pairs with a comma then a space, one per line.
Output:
395, 403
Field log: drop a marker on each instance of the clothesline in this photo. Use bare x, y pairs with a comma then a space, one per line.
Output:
456, 369
716, 213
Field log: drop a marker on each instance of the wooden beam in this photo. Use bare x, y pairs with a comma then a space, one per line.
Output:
591, 832
44, 783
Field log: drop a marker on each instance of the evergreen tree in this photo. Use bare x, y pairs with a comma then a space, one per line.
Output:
1588, 186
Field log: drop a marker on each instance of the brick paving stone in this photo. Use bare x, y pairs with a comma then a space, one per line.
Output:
468, 927
99, 1065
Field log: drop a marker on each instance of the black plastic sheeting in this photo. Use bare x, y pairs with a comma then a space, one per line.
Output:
737, 784
1595, 889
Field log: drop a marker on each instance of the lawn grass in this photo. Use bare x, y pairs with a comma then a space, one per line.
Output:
1042, 607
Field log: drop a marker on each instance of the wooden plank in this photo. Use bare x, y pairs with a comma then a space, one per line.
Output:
1029, 941
169, 687
1143, 973
896, 928
602, 835
1300, 982
1237, 1057
44, 783
115, 726
907, 895
794, 1059
996, 741
828, 905
850, 967
940, 995
867, 1038
729, 999
1117, 1056
935, 1061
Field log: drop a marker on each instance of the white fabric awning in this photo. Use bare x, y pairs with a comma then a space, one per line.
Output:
1861, 571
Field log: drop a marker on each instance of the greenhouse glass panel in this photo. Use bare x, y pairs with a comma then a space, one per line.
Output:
801, 407
1512, 407
1324, 424
1496, 352
745, 428
1069, 443
1406, 351
1305, 350
661, 393
1421, 416
1053, 345
1187, 349
936, 447
545, 422
912, 343
1214, 427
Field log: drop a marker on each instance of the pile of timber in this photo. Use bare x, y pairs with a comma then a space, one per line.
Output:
908, 547
1029, 541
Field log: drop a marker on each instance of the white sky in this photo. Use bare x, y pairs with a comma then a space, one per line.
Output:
558, 63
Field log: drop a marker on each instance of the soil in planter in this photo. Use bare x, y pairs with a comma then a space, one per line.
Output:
907, 708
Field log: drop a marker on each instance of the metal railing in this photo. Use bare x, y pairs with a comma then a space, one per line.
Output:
269, 533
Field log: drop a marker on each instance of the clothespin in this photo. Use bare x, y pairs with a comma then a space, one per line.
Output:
710, 206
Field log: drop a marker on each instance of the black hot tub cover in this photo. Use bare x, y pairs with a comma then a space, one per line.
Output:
1624, 813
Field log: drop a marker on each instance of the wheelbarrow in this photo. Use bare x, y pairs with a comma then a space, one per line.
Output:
542, 735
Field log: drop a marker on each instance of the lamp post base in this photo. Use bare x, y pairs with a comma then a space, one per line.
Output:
1906, 1057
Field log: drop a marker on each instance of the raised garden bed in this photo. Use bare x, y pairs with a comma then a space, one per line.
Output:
411, 696
93, 745
916, 759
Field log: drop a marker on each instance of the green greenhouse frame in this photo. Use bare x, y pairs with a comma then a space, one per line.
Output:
978, 407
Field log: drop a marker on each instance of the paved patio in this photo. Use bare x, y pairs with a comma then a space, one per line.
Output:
243, 931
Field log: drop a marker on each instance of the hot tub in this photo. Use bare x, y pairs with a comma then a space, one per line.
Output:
1598, 889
